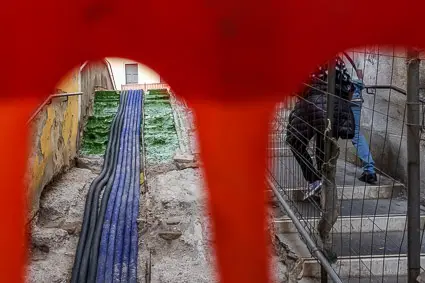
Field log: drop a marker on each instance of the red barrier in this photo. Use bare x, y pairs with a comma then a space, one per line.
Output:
224, 57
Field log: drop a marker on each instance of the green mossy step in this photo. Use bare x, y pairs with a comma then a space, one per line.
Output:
96, 133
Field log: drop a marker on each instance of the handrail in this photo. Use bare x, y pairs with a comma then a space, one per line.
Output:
369, 87
48, 100
145, 86
111, 73
400, 90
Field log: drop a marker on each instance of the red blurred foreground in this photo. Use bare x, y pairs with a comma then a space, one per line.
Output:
230, 59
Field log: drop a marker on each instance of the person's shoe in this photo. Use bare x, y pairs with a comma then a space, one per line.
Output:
313, 189
369, 178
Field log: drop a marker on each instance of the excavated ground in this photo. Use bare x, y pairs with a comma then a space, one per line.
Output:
174, 230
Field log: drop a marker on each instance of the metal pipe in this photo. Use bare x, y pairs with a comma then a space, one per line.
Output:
413, 167
330, 104
111, 73
65, 94
304, 234
400, 90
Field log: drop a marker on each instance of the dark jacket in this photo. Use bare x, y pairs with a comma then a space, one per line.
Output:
309, 117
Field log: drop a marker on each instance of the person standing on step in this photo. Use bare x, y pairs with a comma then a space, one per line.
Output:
308, 120
359, 141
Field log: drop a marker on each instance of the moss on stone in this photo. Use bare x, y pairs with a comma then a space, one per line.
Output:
96, 133
160, 134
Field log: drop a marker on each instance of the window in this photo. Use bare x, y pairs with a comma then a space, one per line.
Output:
131, 74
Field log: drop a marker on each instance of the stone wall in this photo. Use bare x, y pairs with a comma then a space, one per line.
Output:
383, 114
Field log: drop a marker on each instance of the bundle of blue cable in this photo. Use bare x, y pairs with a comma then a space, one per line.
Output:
107, 249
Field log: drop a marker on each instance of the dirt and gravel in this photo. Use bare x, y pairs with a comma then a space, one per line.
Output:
175, 233
174, 230
54, 231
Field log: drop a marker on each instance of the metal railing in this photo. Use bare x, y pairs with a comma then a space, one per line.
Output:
111, 73
146, 86
421, 98
49, 100
360, 231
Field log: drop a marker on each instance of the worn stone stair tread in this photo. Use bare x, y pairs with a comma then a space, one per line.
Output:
359, 207
348, 224
376, 279
395, 246
378, 243
355, 245
352, 266
347, 174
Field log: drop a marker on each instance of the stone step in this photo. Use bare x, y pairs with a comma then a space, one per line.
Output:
360, 244
287, 175
362, 268
374, 279
354, 208
372, 243
391, 261
365, 224
377, 279
354, 192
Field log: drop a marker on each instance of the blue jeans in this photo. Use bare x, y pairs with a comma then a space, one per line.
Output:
360, 143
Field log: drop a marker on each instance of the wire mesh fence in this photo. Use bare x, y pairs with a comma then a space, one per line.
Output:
349, 190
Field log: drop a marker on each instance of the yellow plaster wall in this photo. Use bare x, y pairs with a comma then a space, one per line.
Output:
54, 140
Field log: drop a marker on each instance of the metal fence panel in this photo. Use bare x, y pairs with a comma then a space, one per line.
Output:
361, 228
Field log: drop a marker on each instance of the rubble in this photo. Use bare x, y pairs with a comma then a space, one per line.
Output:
170, 235
93, 163
54, 232
174, 209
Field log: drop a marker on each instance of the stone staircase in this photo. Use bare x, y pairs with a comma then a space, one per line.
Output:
369, 237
